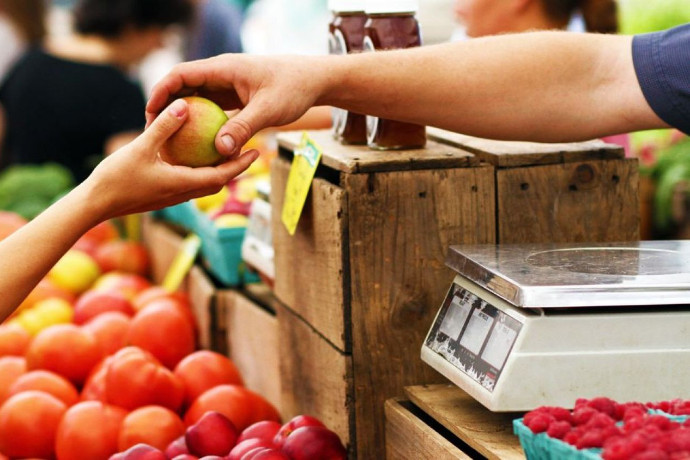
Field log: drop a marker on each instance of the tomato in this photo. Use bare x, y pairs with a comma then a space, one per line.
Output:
242, 406
134, 378
159, 292
28, 424
93, 303
11, 367
164, 331
48, 382
204, 369
110, 331
14, 340
89, 429
46, 289
152, 425
123, 256
129, 284
105, 231
65, 349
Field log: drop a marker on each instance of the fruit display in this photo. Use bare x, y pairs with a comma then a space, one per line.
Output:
101, 363
601, 428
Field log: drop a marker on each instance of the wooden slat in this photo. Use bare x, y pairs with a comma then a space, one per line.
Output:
360, 159
311, 268
316, 377
202, 296
400, 227
162, 243
573, 202
489, 433
253, 343
409, 438
504, 154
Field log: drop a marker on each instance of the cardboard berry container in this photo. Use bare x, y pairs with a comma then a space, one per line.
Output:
543, 447
221, 247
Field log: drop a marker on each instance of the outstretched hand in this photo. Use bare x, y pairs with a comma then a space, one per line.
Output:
135, 179
269, 91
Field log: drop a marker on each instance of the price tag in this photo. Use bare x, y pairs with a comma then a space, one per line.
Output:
182, 263
304, 164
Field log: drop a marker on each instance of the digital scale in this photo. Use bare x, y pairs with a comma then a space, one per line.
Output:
524, 326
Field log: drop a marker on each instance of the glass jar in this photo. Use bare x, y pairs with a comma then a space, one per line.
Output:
392, 24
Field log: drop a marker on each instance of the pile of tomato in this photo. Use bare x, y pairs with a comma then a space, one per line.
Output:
114, 366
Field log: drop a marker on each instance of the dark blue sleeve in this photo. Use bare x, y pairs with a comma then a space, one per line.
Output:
662, 64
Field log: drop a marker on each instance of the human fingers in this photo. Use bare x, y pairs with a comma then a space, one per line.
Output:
237, 131
163, 126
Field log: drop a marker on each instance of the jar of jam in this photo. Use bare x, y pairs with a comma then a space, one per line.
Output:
346, 33
391, 24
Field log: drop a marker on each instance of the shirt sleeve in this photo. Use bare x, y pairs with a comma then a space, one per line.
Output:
662, 65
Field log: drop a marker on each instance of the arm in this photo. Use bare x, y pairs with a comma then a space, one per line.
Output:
133, 179
542, 86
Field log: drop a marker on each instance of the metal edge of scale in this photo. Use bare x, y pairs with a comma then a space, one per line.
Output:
640, 273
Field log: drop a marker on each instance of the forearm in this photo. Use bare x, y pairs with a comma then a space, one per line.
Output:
27, 255
544, 86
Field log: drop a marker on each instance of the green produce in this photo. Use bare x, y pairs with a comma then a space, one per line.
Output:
29, 189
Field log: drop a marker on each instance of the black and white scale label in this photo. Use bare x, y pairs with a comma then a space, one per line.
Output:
473, 336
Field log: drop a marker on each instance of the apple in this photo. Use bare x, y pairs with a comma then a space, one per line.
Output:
314, 442
242, 447
213, 434
270, 454
123, 256
265, 430
194, 143
140, 452
184, 457
92, 303
177, 447
292, 425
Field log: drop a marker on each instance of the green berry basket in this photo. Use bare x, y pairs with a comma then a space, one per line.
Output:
543, 447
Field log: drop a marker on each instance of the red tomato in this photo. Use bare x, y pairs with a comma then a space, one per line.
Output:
28, 424
164, 331
110, 330
89, 429
14, 340
152, 425
159, 292
48, 382
242, 406
65, 349
134, 378
93, 303
203, 370
123, 256
11, 367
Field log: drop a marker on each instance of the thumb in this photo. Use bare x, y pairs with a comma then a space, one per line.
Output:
239, 129
165, 125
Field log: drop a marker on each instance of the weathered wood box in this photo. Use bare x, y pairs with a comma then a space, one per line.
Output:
359, 283
438, 422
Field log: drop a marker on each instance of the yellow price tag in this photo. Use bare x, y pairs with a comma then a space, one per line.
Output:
304, 164
184, 259
133, 227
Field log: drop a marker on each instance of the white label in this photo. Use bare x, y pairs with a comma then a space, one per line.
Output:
476, 331
498, 345
455, 318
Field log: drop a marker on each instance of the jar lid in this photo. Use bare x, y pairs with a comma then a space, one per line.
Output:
344, 6
391, 6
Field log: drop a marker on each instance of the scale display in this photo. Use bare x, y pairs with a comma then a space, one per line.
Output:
473, 335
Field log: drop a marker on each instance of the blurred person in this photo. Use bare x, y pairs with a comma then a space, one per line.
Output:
72, 101
215, 30
133, 179
546, 86
22, 24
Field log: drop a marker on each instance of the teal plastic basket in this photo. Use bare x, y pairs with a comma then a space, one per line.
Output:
543, 447
182, 214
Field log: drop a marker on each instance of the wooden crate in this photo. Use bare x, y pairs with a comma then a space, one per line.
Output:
247, 331
575, 192
362, 278
442, 421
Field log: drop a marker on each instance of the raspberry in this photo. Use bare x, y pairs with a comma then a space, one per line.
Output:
533, 413
651, 454
664, 423
560, 413
618, 449
582, 415
605, 405
685, 455
600, 420
558, 429
677, 440
572, 437
591, 438
540, 422
629, 409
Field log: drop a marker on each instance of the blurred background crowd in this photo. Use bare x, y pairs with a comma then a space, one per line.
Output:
75, 74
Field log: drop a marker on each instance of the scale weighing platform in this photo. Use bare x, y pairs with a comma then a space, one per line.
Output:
524, 326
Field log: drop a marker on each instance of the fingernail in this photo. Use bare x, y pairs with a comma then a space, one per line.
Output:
227, 142
178, 108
